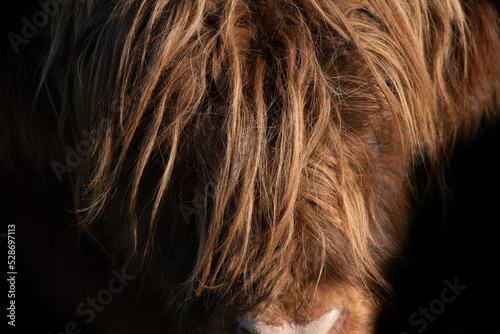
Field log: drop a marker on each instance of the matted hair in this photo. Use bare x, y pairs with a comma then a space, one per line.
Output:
298, 121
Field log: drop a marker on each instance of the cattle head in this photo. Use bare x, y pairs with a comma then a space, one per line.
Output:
252, 160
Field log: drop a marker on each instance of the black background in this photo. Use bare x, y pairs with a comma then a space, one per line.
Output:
466, 246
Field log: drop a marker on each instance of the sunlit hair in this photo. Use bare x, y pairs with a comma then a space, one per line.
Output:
298, 121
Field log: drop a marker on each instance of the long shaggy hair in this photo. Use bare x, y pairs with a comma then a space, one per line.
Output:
292, 126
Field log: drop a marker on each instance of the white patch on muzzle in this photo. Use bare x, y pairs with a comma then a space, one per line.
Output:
320, 326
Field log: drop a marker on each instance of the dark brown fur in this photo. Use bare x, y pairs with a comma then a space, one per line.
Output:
298, 122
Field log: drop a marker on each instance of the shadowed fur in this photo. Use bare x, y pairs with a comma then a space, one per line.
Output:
297, 123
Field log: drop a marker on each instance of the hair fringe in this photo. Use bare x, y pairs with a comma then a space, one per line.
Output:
306, 116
